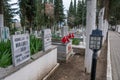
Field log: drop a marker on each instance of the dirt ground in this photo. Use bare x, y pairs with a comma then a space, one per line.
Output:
74, 68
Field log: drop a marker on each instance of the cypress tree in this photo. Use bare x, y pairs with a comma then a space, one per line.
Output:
71, 16
58, 11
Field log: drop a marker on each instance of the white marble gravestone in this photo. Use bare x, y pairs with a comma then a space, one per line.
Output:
20, 48
46, 39
4, 33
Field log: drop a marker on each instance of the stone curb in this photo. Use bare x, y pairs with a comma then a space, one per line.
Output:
53, 70
109, 67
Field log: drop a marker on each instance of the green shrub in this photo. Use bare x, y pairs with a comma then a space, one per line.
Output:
35, 44
56, 37
75, 41
5, 54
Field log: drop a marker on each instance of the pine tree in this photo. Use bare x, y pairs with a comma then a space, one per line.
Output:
58, 11
51, 1
81, 13
74, 7
29, 12
1, 13
8, 13
71, 17
1, 7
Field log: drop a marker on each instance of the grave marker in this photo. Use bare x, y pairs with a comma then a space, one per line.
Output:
4, 33
20, 48
46, 38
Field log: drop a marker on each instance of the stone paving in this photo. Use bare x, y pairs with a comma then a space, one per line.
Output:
114, 38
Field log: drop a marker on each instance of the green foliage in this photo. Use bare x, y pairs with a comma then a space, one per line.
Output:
114, 12
5, 54
71, 16
77, 14
35, 44
58, 11
8, 13
75, 41
56, 37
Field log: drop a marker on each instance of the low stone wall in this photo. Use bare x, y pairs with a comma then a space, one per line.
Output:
37, 69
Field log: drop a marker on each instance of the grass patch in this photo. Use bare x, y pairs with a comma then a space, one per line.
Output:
35, 44
5, 54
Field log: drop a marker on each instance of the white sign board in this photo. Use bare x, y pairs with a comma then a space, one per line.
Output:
20, 48
46, 36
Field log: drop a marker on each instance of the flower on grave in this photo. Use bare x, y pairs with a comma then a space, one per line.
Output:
71, 35
65, 39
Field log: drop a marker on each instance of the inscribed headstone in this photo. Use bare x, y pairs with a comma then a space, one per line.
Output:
20, 48
46, 38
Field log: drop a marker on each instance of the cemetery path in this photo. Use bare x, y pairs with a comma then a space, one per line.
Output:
114, 39
74, 68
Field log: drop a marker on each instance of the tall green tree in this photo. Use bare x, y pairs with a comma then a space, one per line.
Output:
81, 13
58, 11
1, 13
71, 16
22, 6
112, 9
75, 7
1, 7
8, 13
31, 13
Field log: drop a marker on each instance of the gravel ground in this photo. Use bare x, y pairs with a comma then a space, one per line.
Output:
74, 68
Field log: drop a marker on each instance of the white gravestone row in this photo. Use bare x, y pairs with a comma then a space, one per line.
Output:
20, 48
46, 38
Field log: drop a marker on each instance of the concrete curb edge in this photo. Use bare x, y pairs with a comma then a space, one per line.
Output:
46, 77
109, 67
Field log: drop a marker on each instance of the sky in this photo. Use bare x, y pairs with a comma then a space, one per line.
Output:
66, 4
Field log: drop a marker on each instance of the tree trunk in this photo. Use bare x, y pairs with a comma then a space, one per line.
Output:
1, 14
106, 4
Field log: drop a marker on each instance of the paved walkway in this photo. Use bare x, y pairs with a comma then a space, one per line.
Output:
114, 38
